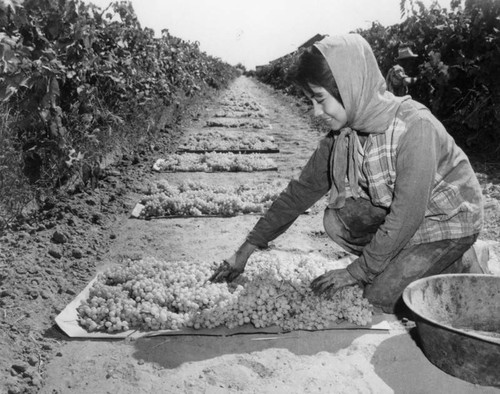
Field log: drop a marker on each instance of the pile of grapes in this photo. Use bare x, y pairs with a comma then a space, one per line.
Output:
239, 112
274, 291
240, 105
214, 161
241, 102
216, 140
193, 198
237, 122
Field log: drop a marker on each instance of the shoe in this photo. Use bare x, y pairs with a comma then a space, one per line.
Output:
475, 259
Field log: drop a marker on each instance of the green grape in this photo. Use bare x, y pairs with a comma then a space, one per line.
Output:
151, 294
194, 198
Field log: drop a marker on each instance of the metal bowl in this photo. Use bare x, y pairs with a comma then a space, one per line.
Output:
458, 322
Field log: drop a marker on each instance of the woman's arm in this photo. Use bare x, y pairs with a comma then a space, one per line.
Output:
299, 195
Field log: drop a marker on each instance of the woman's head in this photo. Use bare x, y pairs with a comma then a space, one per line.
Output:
313, 69
313, 75
346, 67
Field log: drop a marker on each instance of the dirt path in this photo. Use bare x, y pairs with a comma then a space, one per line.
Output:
298, 362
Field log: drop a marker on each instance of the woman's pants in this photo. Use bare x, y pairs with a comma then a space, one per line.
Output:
353, 226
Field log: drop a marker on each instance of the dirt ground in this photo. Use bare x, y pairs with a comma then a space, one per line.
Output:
48, 261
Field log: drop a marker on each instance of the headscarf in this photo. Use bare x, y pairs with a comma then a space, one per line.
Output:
369, 106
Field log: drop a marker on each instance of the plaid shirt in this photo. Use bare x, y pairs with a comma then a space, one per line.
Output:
454, 209
415, 168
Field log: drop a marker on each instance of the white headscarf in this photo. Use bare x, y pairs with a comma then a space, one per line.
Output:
369, 106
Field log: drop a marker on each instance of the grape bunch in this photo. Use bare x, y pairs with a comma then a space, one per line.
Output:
192, 198
274, 291
215, 162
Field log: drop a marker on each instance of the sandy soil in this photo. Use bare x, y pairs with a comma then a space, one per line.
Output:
38, 357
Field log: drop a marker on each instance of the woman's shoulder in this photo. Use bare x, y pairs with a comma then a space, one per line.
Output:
416, 122
412, 112
411, 107
324, 145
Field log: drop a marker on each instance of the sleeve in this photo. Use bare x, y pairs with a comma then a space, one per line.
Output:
300, 194
416, 166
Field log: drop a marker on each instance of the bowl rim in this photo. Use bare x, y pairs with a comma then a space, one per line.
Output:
473, 334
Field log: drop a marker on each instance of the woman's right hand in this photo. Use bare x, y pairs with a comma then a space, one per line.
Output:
234, 266
228, 271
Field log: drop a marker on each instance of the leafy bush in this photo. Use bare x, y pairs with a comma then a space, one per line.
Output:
14, 191
459, 59
277, 73
80, 81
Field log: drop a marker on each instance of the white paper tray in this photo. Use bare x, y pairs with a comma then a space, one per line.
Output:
67, 321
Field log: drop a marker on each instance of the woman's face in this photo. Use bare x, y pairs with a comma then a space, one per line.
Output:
327, 107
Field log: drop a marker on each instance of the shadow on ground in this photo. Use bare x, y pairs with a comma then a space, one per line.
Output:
172, 351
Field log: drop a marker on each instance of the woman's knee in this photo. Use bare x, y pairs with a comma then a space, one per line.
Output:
361, 217
339, 234
386, 298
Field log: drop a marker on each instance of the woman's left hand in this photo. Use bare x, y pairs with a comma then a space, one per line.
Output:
332, 281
